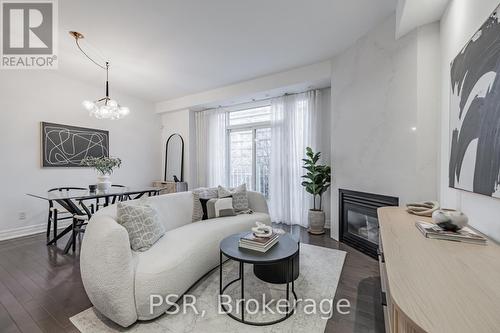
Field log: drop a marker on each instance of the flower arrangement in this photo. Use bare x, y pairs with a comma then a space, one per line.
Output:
104, 165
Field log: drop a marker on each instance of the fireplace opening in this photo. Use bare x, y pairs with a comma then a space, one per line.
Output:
358, 220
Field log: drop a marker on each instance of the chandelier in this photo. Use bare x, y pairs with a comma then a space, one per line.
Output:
105, 107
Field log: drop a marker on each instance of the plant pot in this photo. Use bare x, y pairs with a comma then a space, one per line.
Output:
316, 222
103, 182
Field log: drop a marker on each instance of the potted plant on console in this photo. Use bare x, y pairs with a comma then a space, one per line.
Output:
317, 181
104, 167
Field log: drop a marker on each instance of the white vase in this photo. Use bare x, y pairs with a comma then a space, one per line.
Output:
103, 182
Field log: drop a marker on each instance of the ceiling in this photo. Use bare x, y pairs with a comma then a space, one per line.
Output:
161, 50
414, 13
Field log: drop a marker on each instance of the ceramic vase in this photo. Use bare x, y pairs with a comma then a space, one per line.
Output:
316, 222
103, 182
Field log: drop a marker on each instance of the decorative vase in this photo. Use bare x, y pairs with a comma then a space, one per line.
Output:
450, 219
316, 222
103, 182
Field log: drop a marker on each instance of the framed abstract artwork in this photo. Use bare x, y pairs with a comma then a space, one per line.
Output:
475, 112
67, 146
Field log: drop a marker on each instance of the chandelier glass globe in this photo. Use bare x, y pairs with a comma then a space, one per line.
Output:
106, 109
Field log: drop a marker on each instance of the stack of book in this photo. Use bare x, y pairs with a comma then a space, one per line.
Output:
260, 244
466, 235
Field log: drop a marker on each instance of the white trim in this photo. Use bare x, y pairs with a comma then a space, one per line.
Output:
249, 105
29, 230
249, 126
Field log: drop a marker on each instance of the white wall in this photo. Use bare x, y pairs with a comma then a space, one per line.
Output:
30, 97
378, 96
459, 23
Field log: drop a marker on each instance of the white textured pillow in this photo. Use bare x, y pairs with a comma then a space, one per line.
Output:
239, 194
224, 207
206, 192
142, 224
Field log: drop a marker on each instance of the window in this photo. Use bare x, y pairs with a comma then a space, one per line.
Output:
249, 138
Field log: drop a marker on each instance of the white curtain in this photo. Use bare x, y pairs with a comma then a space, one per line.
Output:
295, 125
211, 147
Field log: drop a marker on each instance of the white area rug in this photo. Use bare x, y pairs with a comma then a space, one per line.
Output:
320, 270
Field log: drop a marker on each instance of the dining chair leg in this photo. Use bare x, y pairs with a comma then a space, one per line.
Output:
73, 235
49, 221
54, 220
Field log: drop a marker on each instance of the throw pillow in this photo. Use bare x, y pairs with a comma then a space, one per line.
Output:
197, 208
213, 208
142, 224
224, 207
207, 192
239, 194
204, 207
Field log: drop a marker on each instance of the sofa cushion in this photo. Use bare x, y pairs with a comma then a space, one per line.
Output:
186, 253
141, 222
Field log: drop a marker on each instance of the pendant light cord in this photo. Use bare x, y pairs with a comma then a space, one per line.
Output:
107, 81
95, 62
105, 67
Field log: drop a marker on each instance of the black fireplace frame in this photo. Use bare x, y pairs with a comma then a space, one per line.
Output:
369, 202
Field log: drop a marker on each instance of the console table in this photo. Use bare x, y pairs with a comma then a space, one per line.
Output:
170, 186
434, 285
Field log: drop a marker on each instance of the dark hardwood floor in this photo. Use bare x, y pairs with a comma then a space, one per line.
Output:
40, 287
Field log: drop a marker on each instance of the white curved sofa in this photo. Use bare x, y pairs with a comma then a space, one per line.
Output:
119, 281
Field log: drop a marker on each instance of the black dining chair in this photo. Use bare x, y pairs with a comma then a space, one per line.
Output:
112, 199
58, 212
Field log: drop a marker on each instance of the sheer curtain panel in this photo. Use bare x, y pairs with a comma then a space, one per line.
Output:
211, 147
295, 125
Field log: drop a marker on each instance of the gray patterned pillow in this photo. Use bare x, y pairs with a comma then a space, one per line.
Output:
142, 224
239, 194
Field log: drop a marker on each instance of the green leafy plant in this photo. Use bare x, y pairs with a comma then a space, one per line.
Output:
318, 177
104, 165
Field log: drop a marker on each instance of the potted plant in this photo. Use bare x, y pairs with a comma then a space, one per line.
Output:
104, 167
317, 181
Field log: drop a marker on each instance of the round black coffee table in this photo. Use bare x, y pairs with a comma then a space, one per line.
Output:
282, 257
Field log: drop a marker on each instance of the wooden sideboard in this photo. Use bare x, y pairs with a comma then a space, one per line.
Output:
170, 187
435, 285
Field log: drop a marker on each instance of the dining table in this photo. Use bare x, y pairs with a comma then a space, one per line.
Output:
74, 203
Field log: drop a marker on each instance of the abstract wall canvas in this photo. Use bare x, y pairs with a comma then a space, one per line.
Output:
66, 146
475, 112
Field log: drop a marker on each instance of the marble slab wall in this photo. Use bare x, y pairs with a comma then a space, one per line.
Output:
382, 141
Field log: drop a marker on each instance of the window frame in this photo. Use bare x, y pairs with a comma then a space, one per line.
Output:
245, 127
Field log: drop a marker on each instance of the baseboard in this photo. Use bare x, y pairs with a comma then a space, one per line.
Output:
29, 230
